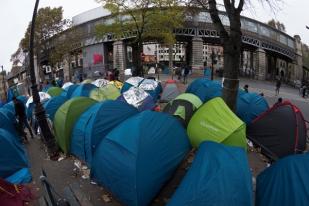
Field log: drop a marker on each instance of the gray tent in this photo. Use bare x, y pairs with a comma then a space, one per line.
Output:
170, 92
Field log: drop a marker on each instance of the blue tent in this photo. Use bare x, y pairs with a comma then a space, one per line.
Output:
205, 89
95, 124
83, 90
285, 183
219, 175
9, 114
22, 176
207, 73
69, 90
136, 158
14, 156
250, 106
45, 88
6, 122
23, 99
52, 105
9, 106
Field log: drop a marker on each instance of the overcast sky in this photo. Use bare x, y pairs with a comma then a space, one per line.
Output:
15, 16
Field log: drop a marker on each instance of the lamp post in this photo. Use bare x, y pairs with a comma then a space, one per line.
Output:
3, 82
48, 137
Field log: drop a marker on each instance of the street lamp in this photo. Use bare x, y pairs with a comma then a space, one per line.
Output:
48, 137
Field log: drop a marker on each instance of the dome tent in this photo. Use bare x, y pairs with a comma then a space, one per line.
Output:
284, 183
100, 82
183, 107
250, 106
280, 131
138, 98
136, 158
52, 105
131, 82
214, 121
87, 81
83, 90
54, 91
219, 175
205, 89
14, 157
152, 87
66, 85
7, 123
170, 91
95, 123
70, 89
65, 118
109, 91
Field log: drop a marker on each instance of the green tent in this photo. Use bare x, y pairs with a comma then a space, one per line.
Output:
214, 121
65, 118
183, 107
54, 91
107, 92
195, 100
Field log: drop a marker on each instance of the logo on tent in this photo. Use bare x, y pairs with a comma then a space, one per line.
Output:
211, 127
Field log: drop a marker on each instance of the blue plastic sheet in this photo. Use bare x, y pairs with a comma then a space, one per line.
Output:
219, 175
136, 158
22, 176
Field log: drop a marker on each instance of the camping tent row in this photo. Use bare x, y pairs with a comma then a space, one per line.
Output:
249, 105
14, 164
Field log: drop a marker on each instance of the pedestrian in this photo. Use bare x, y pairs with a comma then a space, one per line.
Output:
279, 101
20, 114
278, 85
185, 74
116, 74
246, 88
304, 91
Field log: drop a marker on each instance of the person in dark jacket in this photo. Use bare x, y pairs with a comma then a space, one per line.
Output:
22, 118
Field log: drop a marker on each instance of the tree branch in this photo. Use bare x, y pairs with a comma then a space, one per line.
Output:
213, 11
240, 6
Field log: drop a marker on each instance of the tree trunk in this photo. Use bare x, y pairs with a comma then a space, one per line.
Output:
170, 58
137, 50
232, 50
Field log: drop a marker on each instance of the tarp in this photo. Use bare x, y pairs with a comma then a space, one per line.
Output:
106, 92
83, 90
285, 183
43, 96
52, 105
152, 87
65, 118
22, 176
14, 156
280, 131
205, 89
214, 121
132, 81
95, 123
219, 175
170, 92
136, 158
66, 85
138, 98
70, 90
54, 91
250, 106
100, 82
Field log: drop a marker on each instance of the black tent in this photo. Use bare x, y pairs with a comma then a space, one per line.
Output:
280, 131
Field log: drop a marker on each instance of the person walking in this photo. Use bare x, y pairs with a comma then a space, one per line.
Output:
304, 90
246, 88
20, 114
278, 85
185, 74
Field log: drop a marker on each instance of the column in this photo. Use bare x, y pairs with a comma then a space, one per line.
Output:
261, 63
197, 53
298, 67
119, 56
